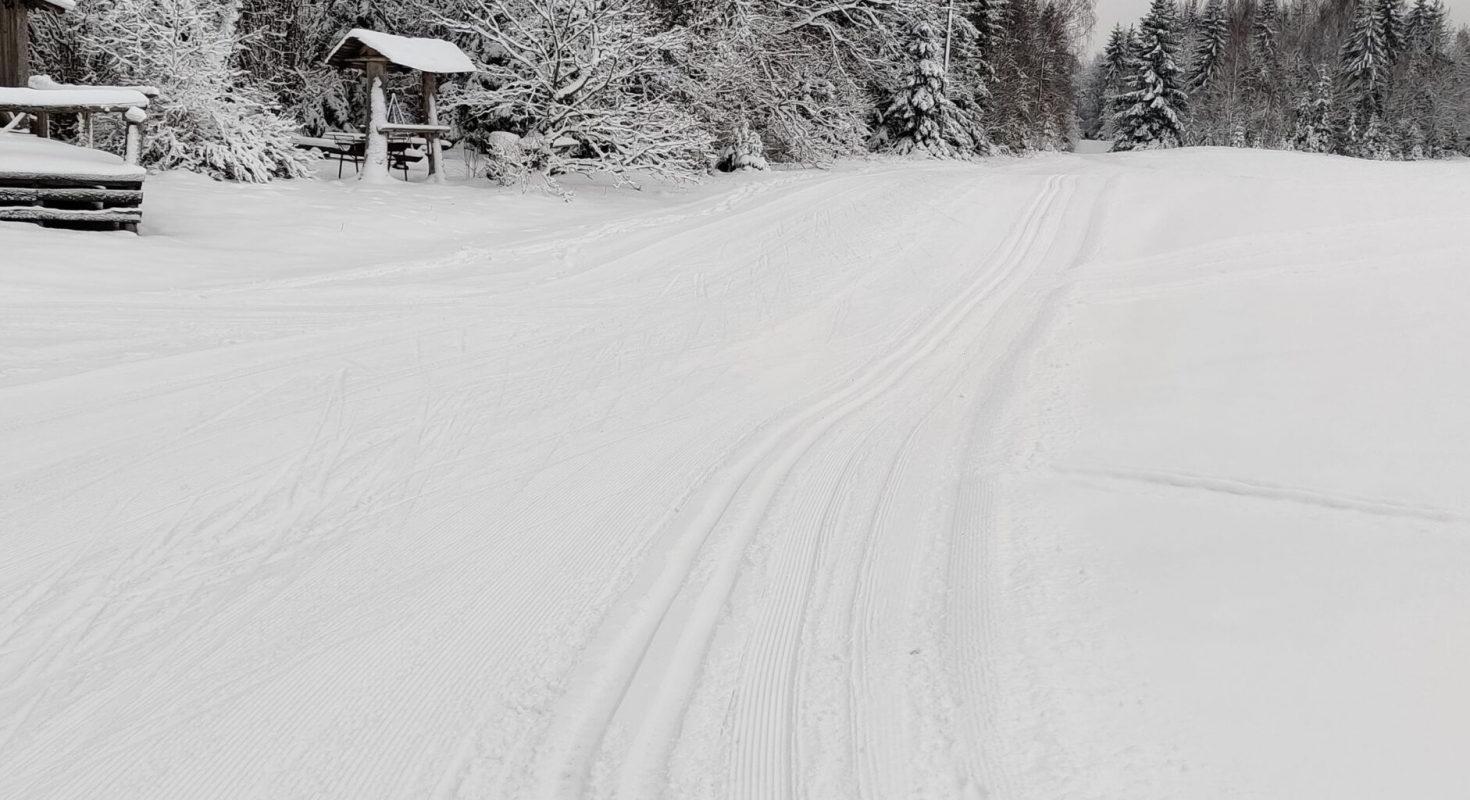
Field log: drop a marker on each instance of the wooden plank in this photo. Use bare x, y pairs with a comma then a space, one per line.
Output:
43, 214
33, 180
405, 128
72, 108
71, 194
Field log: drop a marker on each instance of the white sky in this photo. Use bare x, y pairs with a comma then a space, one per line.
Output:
1128, 12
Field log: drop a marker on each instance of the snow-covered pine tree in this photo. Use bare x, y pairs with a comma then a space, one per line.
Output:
921, 118
1209, 53
1365, 60
1265, 45
1376, 142
1392, 14
1314, 125
1151, 109
1423, 92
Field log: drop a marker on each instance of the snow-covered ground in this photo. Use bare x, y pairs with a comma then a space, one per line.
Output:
1099, 476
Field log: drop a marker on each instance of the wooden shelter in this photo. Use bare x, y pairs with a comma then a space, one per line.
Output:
53, 182
15, 36
376, 54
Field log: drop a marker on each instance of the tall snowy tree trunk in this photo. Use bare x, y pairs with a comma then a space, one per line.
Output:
375, 160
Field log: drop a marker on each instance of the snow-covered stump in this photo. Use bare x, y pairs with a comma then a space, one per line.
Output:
375, 156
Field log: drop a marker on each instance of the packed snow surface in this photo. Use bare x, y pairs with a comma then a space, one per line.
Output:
23, 154
428, 55
1112, 476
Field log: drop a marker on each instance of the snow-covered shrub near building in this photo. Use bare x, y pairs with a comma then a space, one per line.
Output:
591, 78
209, 119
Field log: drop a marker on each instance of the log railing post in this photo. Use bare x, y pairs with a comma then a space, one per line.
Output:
135, 117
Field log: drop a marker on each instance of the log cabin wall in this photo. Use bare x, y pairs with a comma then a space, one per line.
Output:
15, 40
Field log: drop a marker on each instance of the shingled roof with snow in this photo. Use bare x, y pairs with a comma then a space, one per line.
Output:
425, 55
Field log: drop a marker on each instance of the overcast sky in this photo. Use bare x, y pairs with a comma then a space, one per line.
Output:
1128, 12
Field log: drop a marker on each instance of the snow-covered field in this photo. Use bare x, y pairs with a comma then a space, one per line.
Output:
1101, 476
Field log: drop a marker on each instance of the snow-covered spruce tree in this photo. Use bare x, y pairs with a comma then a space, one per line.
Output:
587, 84
1365, 61
209, 118
743, 151
1209, 53
1265, 48
921, 118
1314, 123
1392, 14
1376, 142
1423, 91
1150, 110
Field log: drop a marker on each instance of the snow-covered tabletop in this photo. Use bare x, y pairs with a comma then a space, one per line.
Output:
24, 155
100, 98
47, 83
426, 55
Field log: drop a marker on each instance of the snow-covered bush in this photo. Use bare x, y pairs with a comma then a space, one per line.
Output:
209, 119
743, 150
591, 78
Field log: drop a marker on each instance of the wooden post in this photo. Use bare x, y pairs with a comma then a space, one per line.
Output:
87, 137
41, 124
15, 43
135, 117
375, 161
430, 102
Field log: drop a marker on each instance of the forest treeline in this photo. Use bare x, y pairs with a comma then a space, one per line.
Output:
675, 87
1381, 79
680, 87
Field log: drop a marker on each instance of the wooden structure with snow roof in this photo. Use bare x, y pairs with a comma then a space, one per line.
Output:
378, 53
52, 182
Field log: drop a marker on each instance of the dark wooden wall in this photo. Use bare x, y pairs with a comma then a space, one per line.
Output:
15, 43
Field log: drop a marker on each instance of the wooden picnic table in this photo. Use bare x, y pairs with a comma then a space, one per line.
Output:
351, 146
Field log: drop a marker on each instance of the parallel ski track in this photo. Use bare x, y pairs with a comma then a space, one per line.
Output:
734, 502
